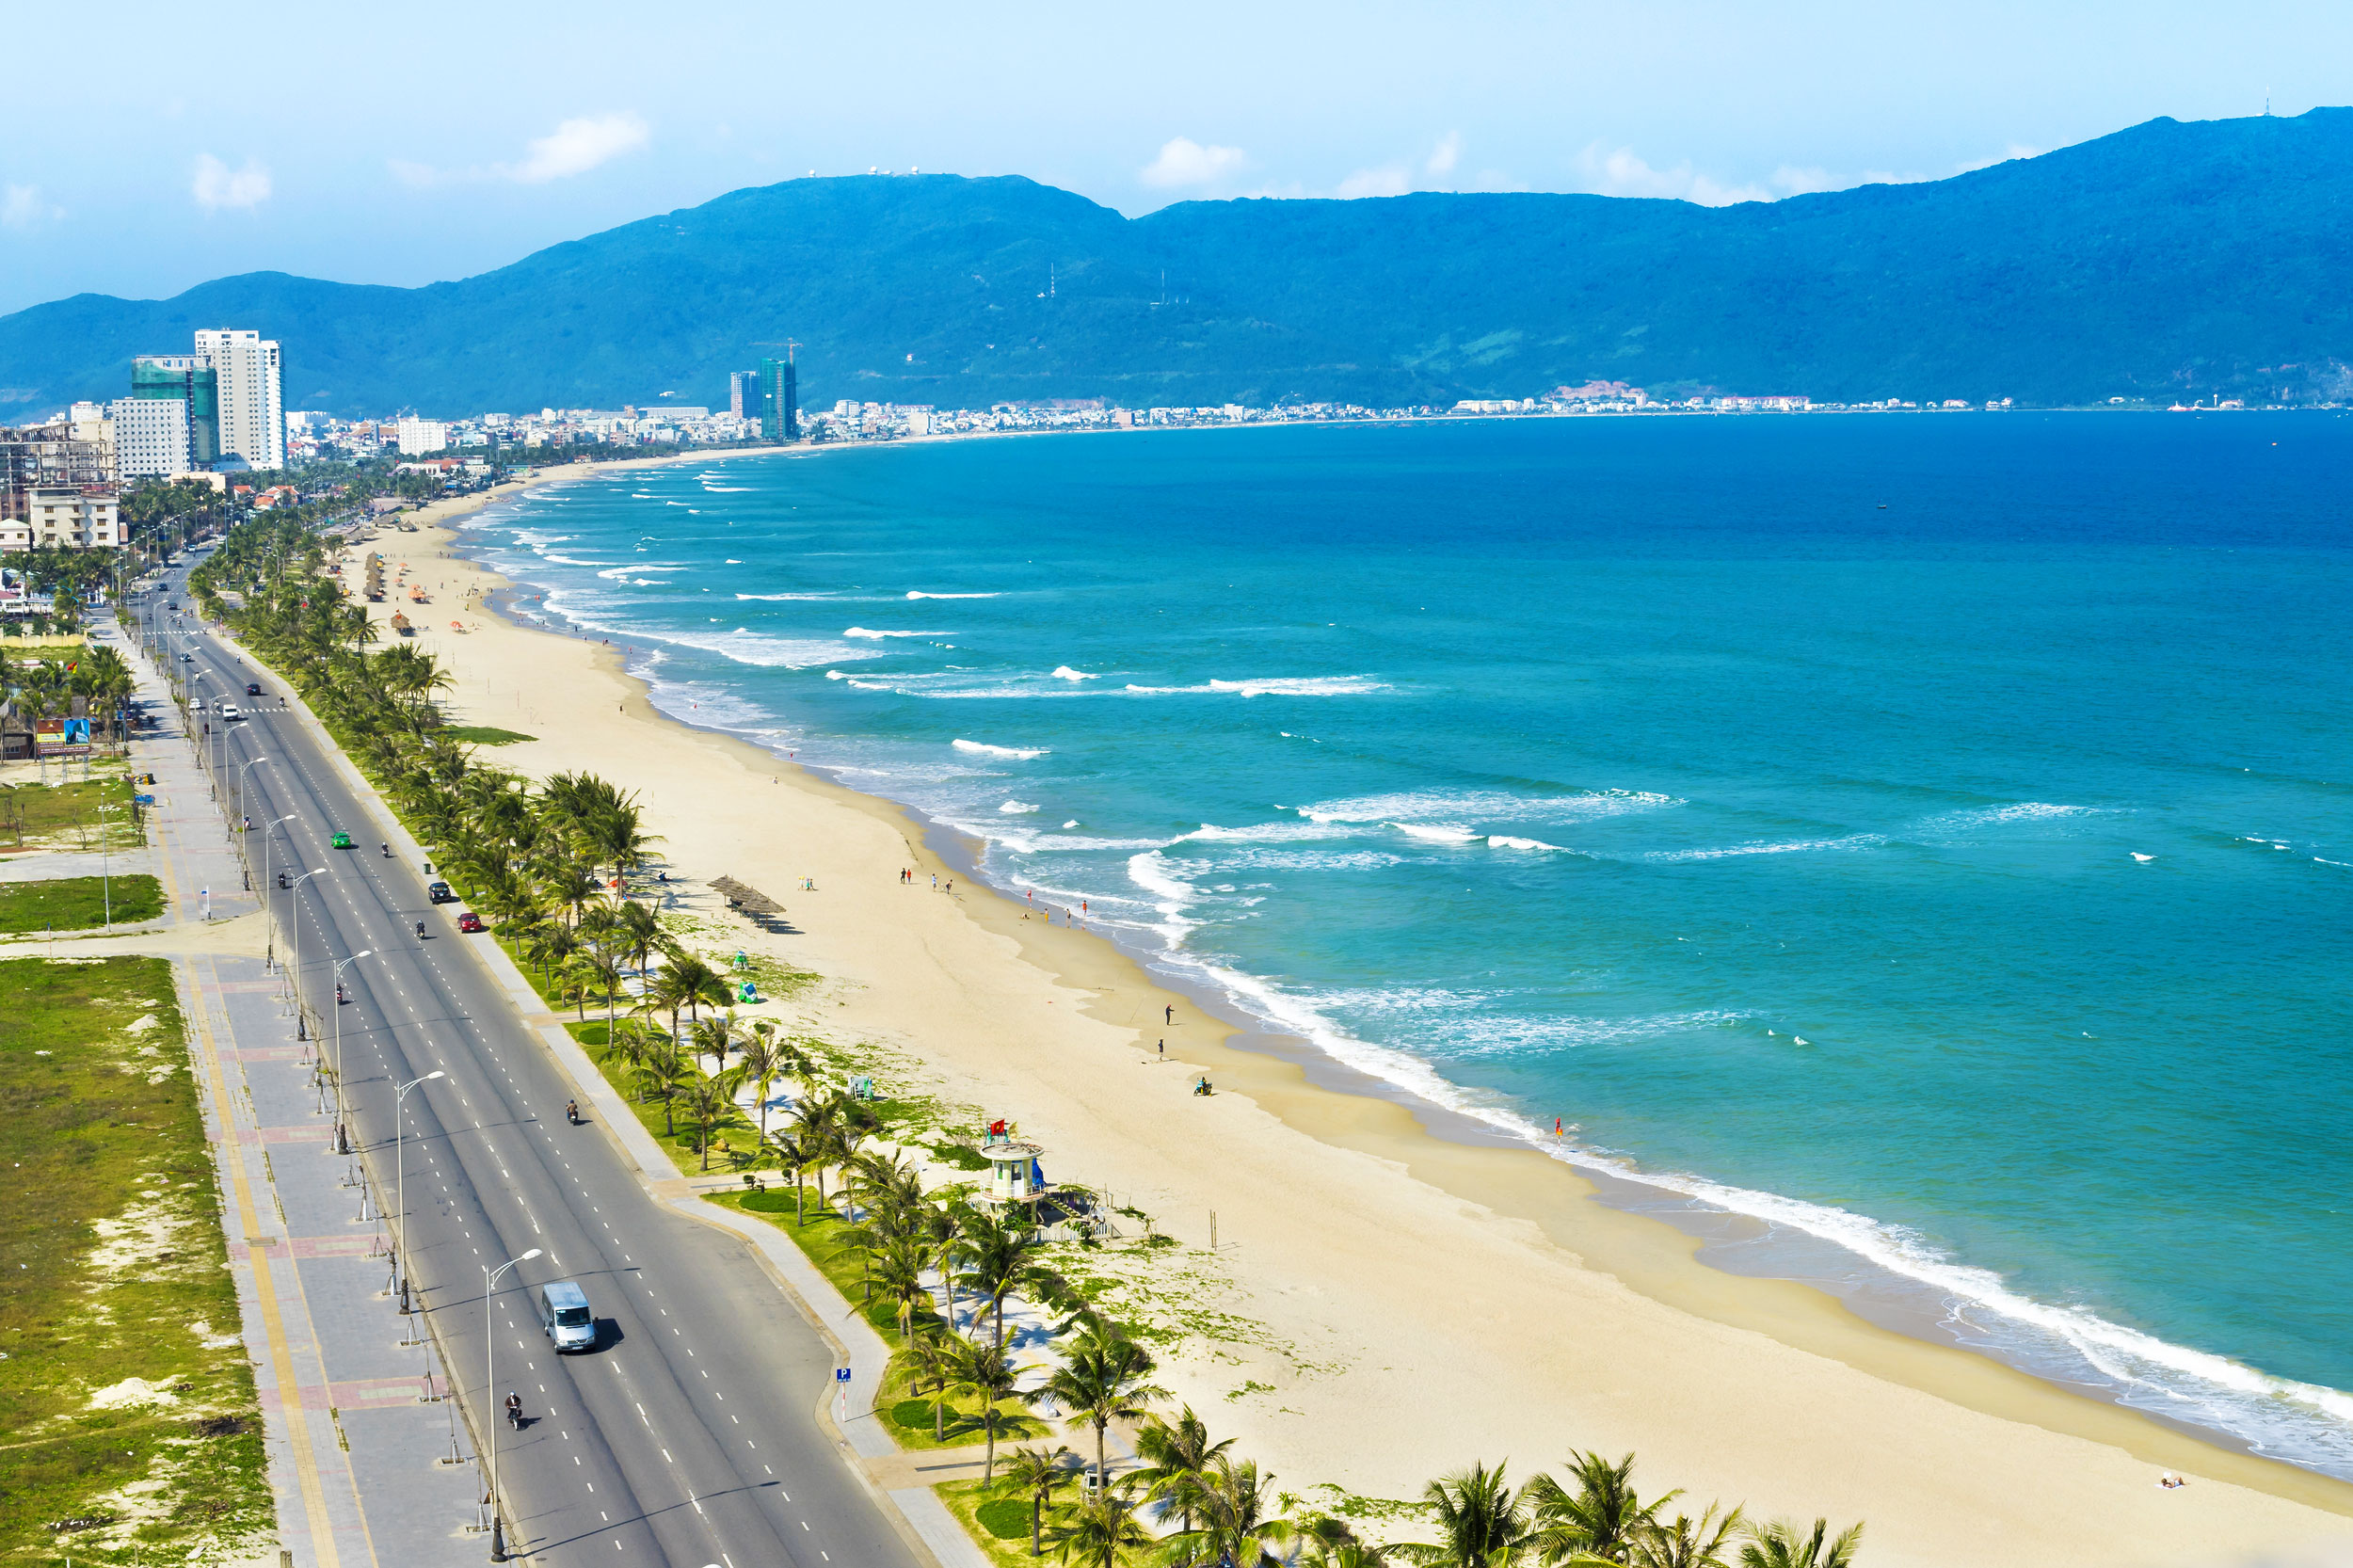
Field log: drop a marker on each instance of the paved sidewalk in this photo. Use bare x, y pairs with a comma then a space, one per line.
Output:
355, 1428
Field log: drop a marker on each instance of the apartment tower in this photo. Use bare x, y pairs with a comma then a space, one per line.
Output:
252, 406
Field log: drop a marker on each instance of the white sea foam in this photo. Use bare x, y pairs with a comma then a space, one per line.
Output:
616, 573
981, 748
1501, 840
1793, 846
1017, 809
2304, 1423
1272, 832
914, 595
746, 647
796, 596
1154, 873
1437, 833
1064, 672
862, 632
729, 489
1312, 685
1487, 805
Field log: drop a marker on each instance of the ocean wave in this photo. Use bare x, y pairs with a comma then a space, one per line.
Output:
1948, 825
730, 489
863, 631
913, 595
1152, 872
1438, 833
1503, 840
1307, 686
981, 748
2299, 1422
616, 573
1019, 808
1064, 672
1793, 846
1261, 833
746, 647
1491, 805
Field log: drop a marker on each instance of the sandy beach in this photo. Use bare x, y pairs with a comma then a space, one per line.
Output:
1399, 1304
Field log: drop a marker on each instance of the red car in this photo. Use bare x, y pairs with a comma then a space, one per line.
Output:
471, 922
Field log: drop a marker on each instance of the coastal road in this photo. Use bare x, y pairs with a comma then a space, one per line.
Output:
690, 1435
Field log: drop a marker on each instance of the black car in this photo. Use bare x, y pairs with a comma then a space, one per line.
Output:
439, 893
253, 688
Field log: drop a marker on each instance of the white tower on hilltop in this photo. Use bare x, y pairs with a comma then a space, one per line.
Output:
252, 406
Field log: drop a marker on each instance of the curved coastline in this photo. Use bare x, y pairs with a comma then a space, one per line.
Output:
1628, 1232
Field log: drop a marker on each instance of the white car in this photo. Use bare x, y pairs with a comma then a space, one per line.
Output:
229, 711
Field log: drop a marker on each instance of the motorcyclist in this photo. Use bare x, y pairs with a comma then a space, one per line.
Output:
514, 1410
571, 1111
420, 931
387, 849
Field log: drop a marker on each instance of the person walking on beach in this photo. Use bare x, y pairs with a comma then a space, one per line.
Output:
934, 882
1171, 1014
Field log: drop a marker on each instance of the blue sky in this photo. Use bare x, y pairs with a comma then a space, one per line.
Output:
173, 143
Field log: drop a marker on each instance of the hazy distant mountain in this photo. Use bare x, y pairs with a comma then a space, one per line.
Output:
2166, 260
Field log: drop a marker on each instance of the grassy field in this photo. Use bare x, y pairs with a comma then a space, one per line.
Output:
997, 1520
485, 734
65, 816
130, 1425
78, 903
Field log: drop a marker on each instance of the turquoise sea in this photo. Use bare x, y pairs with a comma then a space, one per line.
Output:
1927, 836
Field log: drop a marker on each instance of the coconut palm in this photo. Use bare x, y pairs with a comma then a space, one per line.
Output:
1105, 1380
1177, 1455
1038, 1472
996, 1257
1600, 1520
991, 1377
1236, 1530
661, 1072
710, 1109
1101, 1528
794, 1159
765, 1060
898, 1269
1483, 1522
1688, 1543
1785, 1543
933, 1353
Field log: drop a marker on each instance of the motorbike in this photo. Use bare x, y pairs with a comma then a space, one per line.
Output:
420, 931
282, 881
387, 849
572, 1112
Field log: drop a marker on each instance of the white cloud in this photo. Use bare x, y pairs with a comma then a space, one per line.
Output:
217, 186
21, 207
1624, 172
1445, 156
574, 147
577, 146
1392, 181
1186, 162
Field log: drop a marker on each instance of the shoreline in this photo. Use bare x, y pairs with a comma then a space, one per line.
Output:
1630, 1267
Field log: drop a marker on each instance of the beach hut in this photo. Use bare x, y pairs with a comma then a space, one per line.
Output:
1014, 1175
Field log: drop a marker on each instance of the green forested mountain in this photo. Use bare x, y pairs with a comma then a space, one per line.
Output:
2169, 259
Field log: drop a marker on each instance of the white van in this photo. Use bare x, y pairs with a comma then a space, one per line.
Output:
563, 1314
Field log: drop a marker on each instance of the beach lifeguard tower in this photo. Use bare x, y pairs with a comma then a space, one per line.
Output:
1014, 1175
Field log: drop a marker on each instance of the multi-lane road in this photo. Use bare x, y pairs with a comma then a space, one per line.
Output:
690, 1435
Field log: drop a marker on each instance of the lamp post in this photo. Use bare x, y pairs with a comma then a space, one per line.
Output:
296, 894
490, 1391
343, 1143
245, 856
267, 828
400, 1189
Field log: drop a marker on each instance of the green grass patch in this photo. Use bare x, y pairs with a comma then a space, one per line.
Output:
79, 902
66, 816
732, 1148
1006, 1518
485, 734
113, 1267
998, 1524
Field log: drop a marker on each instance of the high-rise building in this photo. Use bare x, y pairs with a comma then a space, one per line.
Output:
151, 437
744, 393
416, 437
779, 401
195, 386
252, 406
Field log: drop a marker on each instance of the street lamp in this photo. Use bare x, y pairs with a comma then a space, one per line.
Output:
295, 894
245, 856
267, 828
343, 1144
490, 1391
400, 1189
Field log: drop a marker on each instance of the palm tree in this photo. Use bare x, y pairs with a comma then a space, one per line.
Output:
1100, 1528
1600, 1520
899, 1271
1484, 1524
817, 1129
1688, 1543
643, 928
933, 1354
996, 1257
1104, 1380
993, 1379
1328, 1543
765, 1060
1041, 1474
661, 1072
1175, 1457
794, 1155
1236, 1530
1785, 1543
709, 1109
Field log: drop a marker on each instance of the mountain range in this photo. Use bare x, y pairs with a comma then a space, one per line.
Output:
2169, 260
